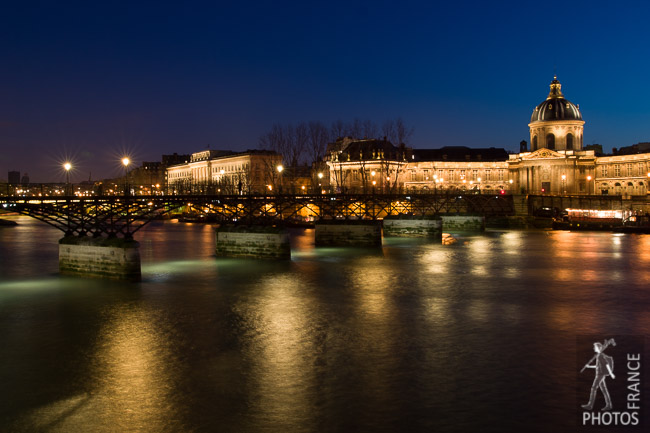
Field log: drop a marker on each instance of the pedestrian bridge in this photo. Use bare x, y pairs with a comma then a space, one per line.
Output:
122, 216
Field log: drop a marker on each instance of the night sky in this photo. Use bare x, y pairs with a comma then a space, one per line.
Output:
94, 80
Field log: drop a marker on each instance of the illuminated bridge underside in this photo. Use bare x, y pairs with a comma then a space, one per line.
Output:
123, 216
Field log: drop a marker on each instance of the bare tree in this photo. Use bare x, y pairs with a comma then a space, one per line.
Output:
338, 130
397, 132
370, 129
317, 140
299, 145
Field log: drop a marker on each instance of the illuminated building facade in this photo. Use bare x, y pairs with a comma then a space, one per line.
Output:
368, 165
226, 172
556, 163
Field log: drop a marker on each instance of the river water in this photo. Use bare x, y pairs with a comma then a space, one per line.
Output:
416, 336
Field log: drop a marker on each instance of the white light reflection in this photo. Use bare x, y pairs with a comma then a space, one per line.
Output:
435, 260
130, 367
511, 242
281, 348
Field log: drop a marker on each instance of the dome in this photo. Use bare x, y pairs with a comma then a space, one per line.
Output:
555, 107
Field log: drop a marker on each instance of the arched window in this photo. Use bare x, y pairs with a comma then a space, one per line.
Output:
534, 143
550, 141
569, 141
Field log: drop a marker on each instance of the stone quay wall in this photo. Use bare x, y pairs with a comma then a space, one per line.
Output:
460, 223
359, 233
415, 227
116, 259
252, 242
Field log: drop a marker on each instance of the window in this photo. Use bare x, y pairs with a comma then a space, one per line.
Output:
535, 143
617, 170
603, 170
488, 175
629, 170
474, 175
569, 141
500, 175
550, 141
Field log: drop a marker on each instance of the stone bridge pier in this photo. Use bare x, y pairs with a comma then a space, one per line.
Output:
112, 258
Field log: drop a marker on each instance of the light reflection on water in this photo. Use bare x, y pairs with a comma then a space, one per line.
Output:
415, 336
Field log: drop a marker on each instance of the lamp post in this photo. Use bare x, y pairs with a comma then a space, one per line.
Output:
67, 166
280, 168
478, 185
564, 184
320, 180
125, 162
588, 185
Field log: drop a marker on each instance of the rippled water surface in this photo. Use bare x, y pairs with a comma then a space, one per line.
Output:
415, 336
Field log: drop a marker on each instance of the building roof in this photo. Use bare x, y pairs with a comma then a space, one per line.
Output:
555, 107
460, 153
366, 149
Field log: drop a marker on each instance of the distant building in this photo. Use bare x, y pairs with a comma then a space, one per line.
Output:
25, 179
633, 150
365, 165
13, 177
226, 172
597, 148
557, 162
174, 159
457, 168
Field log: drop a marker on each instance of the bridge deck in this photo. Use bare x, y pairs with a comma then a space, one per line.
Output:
125, 215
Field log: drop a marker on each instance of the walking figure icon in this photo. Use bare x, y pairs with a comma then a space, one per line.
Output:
604, 366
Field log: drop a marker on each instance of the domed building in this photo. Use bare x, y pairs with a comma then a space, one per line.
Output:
556, 123
556, 162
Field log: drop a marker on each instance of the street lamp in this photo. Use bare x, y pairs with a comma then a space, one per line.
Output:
125, 162
479, 185
67, 166
564, 184
280, 168
588, 182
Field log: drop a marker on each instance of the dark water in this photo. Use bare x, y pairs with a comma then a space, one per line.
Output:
476, 336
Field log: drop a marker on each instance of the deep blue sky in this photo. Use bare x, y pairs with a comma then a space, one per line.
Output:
96, 79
